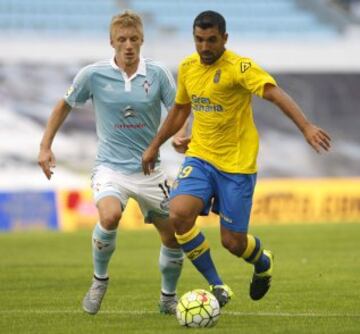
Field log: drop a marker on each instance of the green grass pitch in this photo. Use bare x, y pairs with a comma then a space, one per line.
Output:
316, 283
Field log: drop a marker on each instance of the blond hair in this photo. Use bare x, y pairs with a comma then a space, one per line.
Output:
127, 19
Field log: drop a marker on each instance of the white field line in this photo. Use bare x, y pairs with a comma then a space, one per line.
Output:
225, 313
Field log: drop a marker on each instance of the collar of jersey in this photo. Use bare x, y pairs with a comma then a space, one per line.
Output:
141, 70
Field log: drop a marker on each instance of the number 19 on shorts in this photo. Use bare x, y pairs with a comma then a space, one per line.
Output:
184, 172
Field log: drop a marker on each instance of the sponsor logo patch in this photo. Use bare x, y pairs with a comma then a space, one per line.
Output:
128, 111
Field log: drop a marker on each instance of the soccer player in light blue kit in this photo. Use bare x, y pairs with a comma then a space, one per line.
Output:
127, 92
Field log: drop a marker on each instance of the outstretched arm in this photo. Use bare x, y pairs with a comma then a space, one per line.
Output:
314, 135
172, 124
46, 158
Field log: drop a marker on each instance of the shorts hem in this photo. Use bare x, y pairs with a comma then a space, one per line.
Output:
233, 228
107, 194
202, 213
153, 214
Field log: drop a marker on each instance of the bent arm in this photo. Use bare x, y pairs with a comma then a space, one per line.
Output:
172, 124
46, 159
181, 139
314, 135
183, 130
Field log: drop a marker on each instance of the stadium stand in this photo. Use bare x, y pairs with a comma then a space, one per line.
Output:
260, 18
65, 16
253, 18
351, 8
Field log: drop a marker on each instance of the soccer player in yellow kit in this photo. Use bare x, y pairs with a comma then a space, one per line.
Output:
220, 168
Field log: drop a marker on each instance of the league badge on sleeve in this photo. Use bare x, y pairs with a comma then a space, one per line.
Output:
244, 66
70, 91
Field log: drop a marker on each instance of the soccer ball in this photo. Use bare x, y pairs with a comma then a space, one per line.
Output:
198, 308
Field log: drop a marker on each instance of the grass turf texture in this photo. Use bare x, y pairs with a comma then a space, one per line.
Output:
316, 289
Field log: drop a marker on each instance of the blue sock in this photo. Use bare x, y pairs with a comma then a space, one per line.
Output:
262, 264
197, 250
254, 254
103, 245
170, 263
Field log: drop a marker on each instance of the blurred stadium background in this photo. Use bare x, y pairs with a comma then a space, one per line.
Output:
312, 47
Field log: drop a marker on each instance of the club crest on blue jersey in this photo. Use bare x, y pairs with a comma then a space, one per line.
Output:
146, 86
128, 111
217, 76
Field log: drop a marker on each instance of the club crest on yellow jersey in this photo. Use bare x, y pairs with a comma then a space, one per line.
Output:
217, 76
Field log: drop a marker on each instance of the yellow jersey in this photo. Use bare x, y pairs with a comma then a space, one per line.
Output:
223, 131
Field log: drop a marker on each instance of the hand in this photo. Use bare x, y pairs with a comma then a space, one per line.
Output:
317, 138
149, 159
46, 161
180, 144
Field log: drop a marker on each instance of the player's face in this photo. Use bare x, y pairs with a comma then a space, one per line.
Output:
210, 44
127, 44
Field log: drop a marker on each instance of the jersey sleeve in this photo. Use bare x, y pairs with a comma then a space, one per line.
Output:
80, 90
167, 87
252, 77
182, 96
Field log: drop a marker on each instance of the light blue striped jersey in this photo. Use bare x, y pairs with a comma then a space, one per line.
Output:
127, 110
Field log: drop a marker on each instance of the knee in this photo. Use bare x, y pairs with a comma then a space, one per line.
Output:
184, 210
169, 240
178, 216
110, 219
181, 220
235, 246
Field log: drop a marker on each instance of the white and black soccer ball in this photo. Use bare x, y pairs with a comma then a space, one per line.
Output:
198, 308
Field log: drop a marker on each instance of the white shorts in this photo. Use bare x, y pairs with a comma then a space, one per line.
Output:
150, 191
